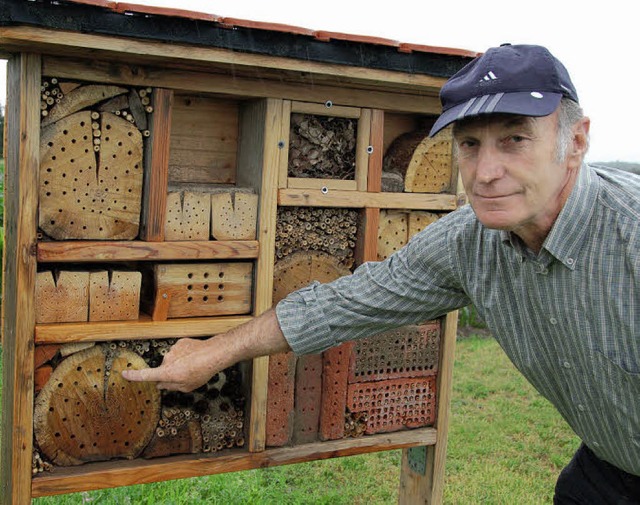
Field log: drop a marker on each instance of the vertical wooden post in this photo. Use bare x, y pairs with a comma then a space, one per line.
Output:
156, 160
367, 245
427, 487
258, 167
21, 210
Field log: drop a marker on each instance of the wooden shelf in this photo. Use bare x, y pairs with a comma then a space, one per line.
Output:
94, 250
61, 333
126, 473
363, 199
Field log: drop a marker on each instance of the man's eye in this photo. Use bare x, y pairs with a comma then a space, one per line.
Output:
517, 139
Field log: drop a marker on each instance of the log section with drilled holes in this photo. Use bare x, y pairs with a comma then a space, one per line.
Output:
425, 164
234, 215
114, 295
206, 289
396, 228
62, 296
187, 216
89, 194
81, 98
88, 412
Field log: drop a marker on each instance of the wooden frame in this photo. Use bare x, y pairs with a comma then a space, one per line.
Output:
262, 155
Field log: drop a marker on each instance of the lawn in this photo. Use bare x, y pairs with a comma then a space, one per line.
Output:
506, 446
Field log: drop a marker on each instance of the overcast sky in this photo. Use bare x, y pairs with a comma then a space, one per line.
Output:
597, 41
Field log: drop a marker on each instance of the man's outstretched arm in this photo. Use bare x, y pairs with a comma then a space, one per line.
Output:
191, 363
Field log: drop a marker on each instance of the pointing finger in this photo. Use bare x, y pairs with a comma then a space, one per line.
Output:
144, 375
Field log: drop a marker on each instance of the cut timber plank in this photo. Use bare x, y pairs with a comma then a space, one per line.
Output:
188, 216
21, 203
156, 162
80, 412
90, 251
260, 158
87, 197
205, 289
204, 140
144, 327
234, 215
81, 98
358, 199
114, 295
62, 296
126, 473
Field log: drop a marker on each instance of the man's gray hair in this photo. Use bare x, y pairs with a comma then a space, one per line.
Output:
569, 113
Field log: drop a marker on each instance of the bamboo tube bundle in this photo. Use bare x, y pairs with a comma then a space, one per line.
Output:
328, 230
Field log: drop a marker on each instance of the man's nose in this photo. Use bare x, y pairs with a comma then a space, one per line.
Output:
489, 166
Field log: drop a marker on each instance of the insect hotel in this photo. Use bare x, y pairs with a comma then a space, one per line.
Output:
173, 174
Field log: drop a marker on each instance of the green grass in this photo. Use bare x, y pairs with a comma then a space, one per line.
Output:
506, 446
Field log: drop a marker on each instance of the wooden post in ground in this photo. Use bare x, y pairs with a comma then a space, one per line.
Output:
21, 206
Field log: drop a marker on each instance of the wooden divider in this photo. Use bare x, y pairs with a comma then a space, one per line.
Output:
21, 218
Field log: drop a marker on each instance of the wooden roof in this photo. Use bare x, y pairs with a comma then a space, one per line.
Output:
123, 19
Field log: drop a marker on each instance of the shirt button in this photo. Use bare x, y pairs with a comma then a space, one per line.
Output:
570, 261
566, 364
553, 320
581, 407
595, 444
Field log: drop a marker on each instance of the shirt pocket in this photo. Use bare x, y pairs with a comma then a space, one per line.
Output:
619, 391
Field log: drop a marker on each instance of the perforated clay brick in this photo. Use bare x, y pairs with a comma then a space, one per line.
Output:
396, 404
410, 351
335, 372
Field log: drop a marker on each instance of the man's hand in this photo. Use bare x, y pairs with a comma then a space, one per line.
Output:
188, 365
191, 363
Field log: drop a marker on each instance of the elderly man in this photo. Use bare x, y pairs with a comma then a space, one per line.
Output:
547, 251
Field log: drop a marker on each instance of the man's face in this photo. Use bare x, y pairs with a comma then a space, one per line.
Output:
510, 172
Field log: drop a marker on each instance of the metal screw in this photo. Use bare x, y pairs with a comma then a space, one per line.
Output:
369, 149
324, 190
281, 144
328, 104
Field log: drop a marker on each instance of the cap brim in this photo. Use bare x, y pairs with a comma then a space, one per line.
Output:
523, 103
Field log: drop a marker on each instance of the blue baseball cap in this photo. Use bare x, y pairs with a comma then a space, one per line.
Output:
511, 79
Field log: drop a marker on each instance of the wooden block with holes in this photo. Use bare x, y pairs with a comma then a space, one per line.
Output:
62, 296
392, 232
114, 295
187, 216
206, 289
234, 215
90, 191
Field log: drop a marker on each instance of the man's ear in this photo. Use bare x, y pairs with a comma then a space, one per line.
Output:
580, 142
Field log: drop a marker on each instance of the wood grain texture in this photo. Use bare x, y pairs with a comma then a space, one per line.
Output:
144, 327
114, 295
357, 199
21, 203
259, 161
125, 473
91, 251
206, 289
193, 81
234, 215
62, 296
376, 139
80, 413
420, 489
156, 163
89, 195
204, 140
188, 216
363, 143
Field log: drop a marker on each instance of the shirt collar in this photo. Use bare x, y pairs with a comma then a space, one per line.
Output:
565, 239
